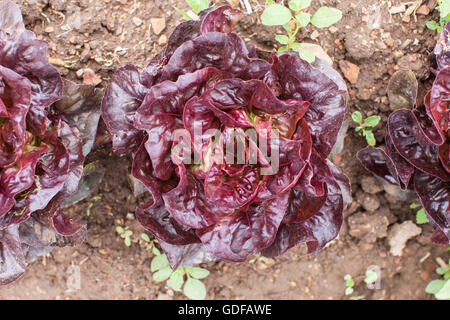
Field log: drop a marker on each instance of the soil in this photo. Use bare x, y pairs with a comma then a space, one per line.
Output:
108, 37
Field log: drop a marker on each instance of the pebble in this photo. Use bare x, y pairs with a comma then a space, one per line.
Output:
399, 234
350, 70
137, 21
158, 25
424, 10
162, 40
79, 73
49, 29
89, 77
371, 185
314, 35
333, 29
370, 202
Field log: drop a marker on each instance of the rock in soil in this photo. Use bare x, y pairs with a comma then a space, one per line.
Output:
399, 234
371, 185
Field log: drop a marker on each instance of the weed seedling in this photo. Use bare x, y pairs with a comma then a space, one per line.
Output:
151, 244
440, 288
421, 217
196, 6
294, 17
125, 234
349, 284
444, 16
365, 127
185, 279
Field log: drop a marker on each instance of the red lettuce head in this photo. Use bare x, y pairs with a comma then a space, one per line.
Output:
207, 96
416, 153
41, 155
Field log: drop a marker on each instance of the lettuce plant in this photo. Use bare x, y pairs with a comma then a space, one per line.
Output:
47, 126
416, 154
208, 89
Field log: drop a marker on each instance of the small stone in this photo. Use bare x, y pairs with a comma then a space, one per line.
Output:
158, 25
369, 202
49, 29
56, 62
399, 234
315, 34
79, 73
162, 41
371, 185
89, 77
424, 10
137, 21
333, 29
397, 9
130, 216
350, 70
85, 55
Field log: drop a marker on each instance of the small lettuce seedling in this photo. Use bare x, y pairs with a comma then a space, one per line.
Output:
444, 16
151, 244
294, 17
421, 217
371, 277
125, 234
192, 287
365, 127
349, 284
196, 6
440, 288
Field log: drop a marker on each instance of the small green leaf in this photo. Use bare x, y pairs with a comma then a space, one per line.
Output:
88, 211
304, 4
156, 251
127, 241
282, 49
434, 286
198, 5
282, 39
444, 293
176, 280
370, 138
421, 217
293, 5
357, 129
269, 2
432, 25
349, 283
372, 121
287, 27
162, 274
325, 17
296, 45
348, 291
276, 15
159, 262
199, 273
307, 54
128, 233
303, 18
444, 8
194, 289
414, 205
119, 230
297, 5
441, 271
145, 237
357, 117
184, 14
371, 276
